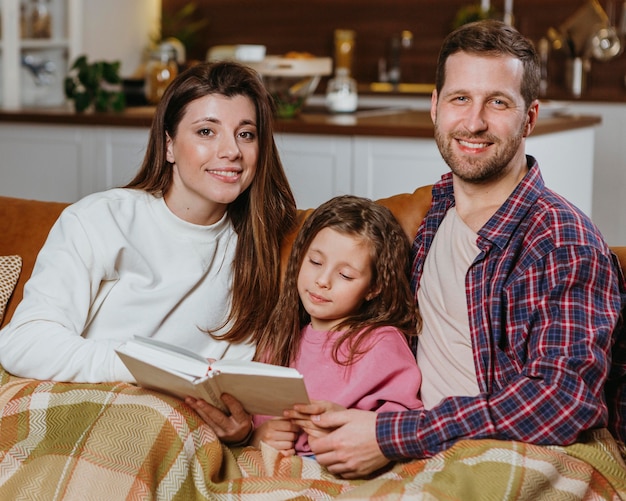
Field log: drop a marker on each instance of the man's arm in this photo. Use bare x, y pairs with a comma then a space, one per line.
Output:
554, 396
550, 362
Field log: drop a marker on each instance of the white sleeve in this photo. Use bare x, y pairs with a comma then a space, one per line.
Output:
44, 338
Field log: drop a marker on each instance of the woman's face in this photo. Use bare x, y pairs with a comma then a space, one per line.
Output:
214, 156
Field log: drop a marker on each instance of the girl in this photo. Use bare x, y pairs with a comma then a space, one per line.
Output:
343, 316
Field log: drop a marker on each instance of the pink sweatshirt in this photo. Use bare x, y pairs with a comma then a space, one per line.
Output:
386, 378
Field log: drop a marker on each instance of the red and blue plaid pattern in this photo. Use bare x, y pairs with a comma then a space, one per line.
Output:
543, 302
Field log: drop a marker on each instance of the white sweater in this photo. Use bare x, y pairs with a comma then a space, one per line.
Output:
118, 264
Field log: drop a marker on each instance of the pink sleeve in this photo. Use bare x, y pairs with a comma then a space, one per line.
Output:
387, 376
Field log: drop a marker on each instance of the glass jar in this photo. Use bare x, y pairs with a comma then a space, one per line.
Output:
341, 92
161, 69
40, 19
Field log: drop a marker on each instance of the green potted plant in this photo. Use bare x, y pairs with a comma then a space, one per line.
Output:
96, 84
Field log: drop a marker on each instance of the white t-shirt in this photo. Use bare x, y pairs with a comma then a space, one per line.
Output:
118, 264
444, 349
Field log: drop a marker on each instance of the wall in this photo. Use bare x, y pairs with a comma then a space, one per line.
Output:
119, 30
308, 25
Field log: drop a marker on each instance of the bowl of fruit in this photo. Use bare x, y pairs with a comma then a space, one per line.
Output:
291, 79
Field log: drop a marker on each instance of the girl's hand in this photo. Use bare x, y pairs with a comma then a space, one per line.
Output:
281, 434
301, 415
327, 406
303, 411
233, 429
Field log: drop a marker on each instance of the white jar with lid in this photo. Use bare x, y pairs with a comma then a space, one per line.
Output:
341, 93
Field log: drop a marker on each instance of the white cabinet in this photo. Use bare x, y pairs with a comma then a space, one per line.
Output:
121, 152
609, 179
50, 169
320, 167
32, 69
65, 163
386, 166
112, 30
567, 164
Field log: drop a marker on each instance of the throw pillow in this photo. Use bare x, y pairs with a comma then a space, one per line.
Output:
10, 268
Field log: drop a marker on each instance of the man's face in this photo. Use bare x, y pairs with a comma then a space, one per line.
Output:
480, 116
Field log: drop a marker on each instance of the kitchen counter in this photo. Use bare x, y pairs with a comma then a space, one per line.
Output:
407, 123
387, 147
379, 122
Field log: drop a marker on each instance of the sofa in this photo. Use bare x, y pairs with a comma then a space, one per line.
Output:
118, 441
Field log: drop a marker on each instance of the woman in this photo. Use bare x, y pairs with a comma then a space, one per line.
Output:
187, 252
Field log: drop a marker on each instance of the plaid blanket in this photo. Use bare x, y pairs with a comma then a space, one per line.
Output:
61, 441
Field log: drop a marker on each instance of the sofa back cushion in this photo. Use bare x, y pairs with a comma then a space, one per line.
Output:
615, 389
408, 208
24, 226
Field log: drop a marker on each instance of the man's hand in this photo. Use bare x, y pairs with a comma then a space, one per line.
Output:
350, 449
230, 429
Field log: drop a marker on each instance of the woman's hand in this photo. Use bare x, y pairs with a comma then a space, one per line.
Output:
279, 433
235, 428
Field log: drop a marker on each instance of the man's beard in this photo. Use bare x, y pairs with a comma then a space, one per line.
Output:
478, 170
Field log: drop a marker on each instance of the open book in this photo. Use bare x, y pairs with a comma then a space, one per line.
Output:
261, 388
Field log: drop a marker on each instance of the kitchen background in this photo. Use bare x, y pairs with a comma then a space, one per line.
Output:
308, 26
102, 152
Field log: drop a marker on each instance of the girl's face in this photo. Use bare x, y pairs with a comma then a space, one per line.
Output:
214, 156
335, 278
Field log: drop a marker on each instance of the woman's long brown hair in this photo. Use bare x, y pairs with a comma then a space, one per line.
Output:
261, 216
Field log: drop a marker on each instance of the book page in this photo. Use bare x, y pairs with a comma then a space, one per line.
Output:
267, 395
175, 383
165, 355
249, 367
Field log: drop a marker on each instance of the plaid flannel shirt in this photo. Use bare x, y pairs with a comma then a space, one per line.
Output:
543, 301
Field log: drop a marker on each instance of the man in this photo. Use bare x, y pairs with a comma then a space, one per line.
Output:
517, 289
